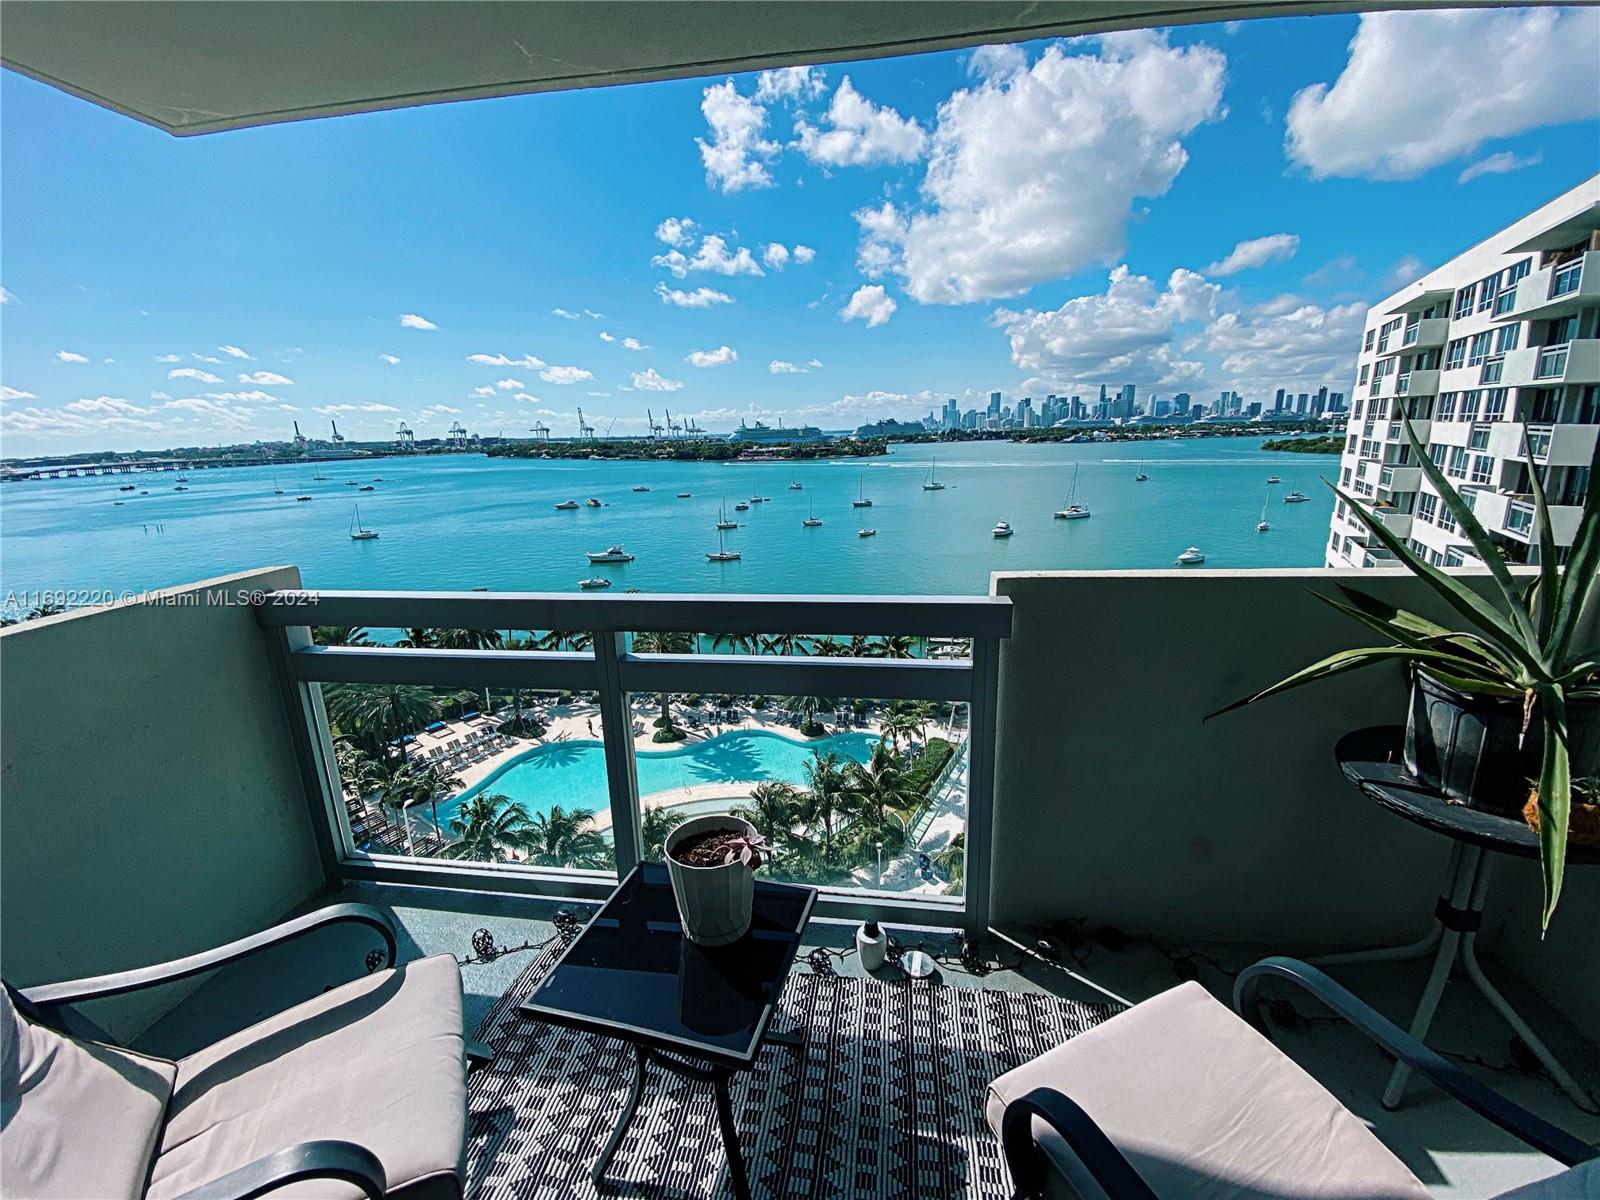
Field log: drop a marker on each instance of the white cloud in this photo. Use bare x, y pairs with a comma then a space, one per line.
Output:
1034, 176
509, 385
11, 393
527, 399
528, 361
675, 231
719, 357
254, 396
565, 375
266, 379
106, 404
1502, 163
1407, 270
564, 313
997, 62
329, 410
1124, 335
436, 409
735, 156
71, 356
871, 304
649, 380
391, 359
778, 367
862, 133
804, 254
169, 358
1421, 88
701, 297
1256, 252
413, 321
713, 255
160, 396
1287, 341
486, 389
5, 296
197, 374
790, 83
206, 358
633, 343
594, 316
234, 352
606, 337
775, 255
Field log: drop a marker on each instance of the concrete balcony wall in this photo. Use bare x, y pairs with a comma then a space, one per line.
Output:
1534, 300
152, 802
1115, 801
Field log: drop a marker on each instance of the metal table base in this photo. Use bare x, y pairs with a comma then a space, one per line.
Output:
1455, 933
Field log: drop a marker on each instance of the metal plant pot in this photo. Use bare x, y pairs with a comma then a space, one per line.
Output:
1471, 747
714, 903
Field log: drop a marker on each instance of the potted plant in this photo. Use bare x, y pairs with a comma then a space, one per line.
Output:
1511, 690
711, 861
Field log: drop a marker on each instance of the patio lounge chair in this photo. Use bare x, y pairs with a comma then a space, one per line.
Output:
1179, 1097
360, 1091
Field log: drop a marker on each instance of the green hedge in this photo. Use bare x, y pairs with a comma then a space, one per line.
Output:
929, 763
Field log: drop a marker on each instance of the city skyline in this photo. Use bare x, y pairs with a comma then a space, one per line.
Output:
828, 246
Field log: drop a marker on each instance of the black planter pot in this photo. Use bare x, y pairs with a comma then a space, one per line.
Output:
1471, 747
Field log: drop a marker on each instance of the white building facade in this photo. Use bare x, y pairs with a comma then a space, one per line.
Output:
1502, 338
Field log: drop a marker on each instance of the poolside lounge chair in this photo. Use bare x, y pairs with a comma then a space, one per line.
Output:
1179, 1097
289, 1099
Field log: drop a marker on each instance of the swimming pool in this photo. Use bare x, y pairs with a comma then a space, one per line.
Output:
573, 774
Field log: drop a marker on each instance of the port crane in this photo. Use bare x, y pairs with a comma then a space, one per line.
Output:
673, 428
656, 426
541, 432
585, 430
404, 439
337, 436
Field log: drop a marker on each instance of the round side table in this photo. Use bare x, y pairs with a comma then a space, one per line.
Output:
1371, 760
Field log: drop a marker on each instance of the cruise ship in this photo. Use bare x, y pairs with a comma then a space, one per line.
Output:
761, 434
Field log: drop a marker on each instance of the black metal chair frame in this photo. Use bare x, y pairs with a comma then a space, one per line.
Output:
49, 1003
1111, 1171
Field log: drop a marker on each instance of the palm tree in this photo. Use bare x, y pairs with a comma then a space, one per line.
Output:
417, 639
378, 713
825, 799
651, 642
807, 708
469, 639
738, 643
773, 809
559, 839
339, 635
564, 639
487, 826
787, 643
882, 784
654, 827
952, 860
828, 647
417, 783
358, 770
894, 645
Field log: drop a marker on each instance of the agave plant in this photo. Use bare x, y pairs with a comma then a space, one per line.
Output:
1536, 642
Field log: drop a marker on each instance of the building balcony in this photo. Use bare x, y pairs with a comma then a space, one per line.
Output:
1395, 521
214, 804
1556, 445
1417, 383
1399, 479
1424, 335
1555, 291
1552, 366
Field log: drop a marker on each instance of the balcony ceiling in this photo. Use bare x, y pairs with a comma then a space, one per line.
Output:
1574, 229
201, 66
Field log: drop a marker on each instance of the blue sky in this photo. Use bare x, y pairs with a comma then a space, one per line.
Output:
1203, 208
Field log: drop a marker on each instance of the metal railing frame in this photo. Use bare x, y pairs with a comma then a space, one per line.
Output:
613, 673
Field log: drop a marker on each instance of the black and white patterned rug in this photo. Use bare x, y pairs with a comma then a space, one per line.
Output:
884, 1101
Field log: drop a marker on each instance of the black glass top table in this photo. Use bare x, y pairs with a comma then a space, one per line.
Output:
1371, 760
697, 1011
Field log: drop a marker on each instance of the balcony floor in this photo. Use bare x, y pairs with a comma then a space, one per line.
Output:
1457, 1154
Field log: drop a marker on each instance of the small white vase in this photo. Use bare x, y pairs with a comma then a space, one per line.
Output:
714, 903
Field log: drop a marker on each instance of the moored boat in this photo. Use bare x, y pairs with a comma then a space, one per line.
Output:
1190, 556
611, 554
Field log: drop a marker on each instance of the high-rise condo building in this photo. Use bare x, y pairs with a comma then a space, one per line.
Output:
1504, 338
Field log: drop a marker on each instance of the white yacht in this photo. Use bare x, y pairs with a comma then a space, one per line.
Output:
1273, 479
1296, 498
684, 495
566, 506
741, 507
611, 554
795, 485
593, 583
641, 488
1191, 556
722, 519
358, 531
1002, 529
932, 484
861, 500
722, 553
1261, 525
866, 533
593, 503
1141, 476
812, 520
1072, 511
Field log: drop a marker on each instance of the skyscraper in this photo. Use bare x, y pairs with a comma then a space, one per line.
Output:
1125, 401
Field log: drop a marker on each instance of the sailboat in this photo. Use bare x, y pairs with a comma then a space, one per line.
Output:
1141, 476
930, 484
722, 518
794, 484
358, 531
276, 490
1071, 511
861, 500
812, 520
319, 476
722, 553
1261, 525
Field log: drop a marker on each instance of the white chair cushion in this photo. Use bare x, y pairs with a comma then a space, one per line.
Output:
380, 1062
1205, 1108
77, 1118
1581, 1182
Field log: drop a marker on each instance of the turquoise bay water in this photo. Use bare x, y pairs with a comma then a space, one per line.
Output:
573, 774
458, 522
